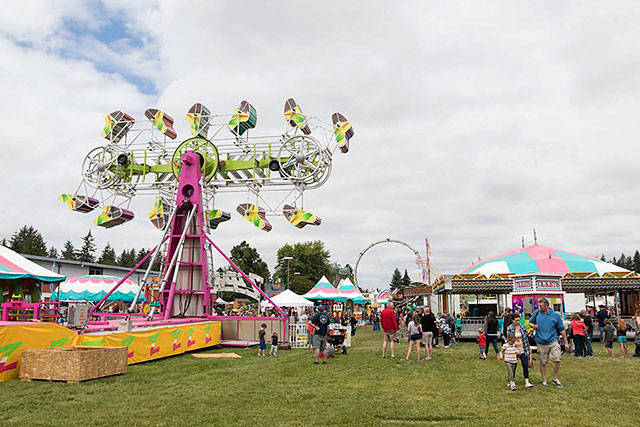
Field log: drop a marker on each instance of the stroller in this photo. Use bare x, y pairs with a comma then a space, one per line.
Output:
336, 335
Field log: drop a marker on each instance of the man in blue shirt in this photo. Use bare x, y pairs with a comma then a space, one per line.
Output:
320, 323
548, 324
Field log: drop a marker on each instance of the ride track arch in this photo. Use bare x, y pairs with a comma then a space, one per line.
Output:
423, 263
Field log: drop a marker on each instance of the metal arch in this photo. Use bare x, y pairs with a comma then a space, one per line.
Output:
355, 270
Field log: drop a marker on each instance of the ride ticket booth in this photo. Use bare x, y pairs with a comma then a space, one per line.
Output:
528, 288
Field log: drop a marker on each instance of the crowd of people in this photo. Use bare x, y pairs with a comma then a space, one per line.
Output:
545, 329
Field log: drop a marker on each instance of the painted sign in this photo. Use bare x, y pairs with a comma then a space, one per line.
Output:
523, 285
548, 285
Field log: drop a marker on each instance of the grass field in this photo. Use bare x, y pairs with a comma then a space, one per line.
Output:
454, 388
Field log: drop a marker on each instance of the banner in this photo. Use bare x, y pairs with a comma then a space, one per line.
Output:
148, 344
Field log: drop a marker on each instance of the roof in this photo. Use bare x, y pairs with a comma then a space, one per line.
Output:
94, 288
350, 291
83, 263
323, 290
540, 259
287, 298
15, 266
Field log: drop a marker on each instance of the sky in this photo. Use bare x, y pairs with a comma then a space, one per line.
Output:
475, 122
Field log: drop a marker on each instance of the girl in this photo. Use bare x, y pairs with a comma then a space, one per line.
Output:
622, 337
482, 341
510, 354
609, 336
414, 331
636, 319
491, 331
579, 335
522, 345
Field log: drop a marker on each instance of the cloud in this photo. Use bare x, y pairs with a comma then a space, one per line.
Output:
474, 123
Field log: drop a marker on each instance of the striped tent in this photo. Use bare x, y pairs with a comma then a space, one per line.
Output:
540, 259
383, 296
94, 288
350, 291
323, 290
15, 266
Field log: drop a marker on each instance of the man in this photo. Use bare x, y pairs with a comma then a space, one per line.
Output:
320, 323
588, 322
548, 324
389, 323
428, 322
602, 314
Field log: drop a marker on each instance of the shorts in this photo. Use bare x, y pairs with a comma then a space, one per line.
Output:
263, 345
427, 338
622, 339
320, 342
608, 344
549, 351
416, 337
389, 335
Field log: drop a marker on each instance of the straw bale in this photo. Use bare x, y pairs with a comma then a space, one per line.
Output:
73, 364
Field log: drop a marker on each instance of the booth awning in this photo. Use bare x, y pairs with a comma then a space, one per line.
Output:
348, 290
94, 288
15, 266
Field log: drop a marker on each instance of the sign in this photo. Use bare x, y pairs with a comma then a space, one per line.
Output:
420, 290
523, 285
548, 285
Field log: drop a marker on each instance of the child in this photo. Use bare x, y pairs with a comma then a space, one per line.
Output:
482, 341
622, 337
609, 336
510, 353
274, 344
563, 347
262, 336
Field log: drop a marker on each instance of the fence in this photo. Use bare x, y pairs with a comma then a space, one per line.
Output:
298, 335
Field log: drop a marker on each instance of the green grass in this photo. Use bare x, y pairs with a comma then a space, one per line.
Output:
454, 388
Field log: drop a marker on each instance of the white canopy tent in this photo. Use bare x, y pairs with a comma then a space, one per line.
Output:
287, 298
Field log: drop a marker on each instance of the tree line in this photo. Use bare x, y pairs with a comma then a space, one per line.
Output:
309, 260
29, 241
629, 262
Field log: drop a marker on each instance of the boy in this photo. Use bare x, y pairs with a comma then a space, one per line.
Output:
510, 353
609, 336
262, 336
482, 341
274, 344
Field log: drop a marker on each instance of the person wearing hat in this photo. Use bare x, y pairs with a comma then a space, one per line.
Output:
602, 315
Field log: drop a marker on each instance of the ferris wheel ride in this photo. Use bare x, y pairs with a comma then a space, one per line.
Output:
145, 157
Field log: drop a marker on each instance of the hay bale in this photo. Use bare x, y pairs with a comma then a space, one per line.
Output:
72, 364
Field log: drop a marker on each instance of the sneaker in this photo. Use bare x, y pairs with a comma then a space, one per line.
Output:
557, 383
528, 385
544, 384
513, 387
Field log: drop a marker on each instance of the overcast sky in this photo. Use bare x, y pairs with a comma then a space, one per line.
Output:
474, 121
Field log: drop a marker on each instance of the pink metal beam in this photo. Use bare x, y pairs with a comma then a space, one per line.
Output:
245, 276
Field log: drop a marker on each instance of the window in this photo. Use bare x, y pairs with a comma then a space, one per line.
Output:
95, 271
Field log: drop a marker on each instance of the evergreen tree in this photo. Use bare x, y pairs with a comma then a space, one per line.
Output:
406, 280
636, 262
108, 256
602, 258
87, 252
127, 258
141, 254
69, 251
28, 241
396, 280
53, 252
4, 243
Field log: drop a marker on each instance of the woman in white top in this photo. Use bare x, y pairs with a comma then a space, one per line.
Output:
414, 330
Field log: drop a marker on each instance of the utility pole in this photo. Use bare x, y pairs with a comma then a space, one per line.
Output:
288, 258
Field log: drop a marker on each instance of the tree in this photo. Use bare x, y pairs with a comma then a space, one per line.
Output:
28, 241
249, 261
396, 280
53, 252
406, 280
87, 252
310, 261
4, 243
69, 252
602, 258
636, 262
108, 256
127, 258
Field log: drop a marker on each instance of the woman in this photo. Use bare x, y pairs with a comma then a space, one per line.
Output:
414, 331
491, 331
622, 337
636, 319
522, 344
579, 330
